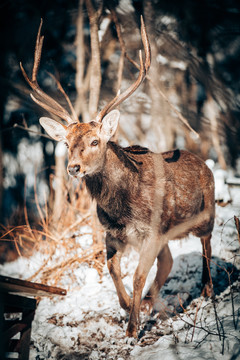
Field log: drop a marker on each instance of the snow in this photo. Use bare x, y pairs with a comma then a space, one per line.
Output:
88, 322
60, 150
103, 28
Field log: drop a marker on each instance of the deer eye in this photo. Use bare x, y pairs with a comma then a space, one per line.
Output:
94, 143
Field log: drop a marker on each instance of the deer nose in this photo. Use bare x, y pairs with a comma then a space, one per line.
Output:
74, 170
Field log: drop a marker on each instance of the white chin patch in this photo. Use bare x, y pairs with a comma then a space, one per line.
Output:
78, 176
81, 175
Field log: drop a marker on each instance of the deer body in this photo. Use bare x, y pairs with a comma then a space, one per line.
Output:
125, 188
143, 199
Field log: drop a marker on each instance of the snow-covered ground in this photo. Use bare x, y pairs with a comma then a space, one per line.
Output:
88, 322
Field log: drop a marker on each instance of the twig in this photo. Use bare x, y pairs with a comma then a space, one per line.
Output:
231, 291
41, 267
60, 88
86, 256
12, 230
210, 284
224, 227
122, 44
195, 317
72, 226
29, 130
232, 301
209, 332
200, 342
216, 315
237, 223
180, 116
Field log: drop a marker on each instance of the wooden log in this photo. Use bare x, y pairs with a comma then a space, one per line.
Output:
27, 288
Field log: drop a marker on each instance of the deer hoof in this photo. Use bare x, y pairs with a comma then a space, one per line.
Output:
132, 330
207, 291
132, 333
147, 306
126, 305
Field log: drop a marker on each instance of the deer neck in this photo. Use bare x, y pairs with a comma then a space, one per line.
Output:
112, 187
115, 174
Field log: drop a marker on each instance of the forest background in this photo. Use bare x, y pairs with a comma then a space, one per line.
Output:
193, 85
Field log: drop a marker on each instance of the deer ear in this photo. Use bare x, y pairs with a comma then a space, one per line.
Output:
110, 123
54, 129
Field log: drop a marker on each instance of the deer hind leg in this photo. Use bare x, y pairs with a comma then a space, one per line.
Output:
164, 266
113, 262
207, 287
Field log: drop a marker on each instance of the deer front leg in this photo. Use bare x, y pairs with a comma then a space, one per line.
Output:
148, 254
113, 262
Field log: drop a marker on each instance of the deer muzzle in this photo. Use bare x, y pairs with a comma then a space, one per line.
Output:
74, 170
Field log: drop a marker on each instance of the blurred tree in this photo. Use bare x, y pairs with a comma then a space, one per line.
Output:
195, 48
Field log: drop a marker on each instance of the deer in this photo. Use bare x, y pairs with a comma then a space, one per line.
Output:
144, 199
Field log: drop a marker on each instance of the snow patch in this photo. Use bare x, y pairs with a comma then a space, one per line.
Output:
88, 322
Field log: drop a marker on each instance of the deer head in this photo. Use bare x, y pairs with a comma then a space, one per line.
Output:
86, 141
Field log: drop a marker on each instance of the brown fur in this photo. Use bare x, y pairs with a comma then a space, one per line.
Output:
143, 199
141, 196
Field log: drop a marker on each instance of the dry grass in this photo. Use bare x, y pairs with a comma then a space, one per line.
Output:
60, 242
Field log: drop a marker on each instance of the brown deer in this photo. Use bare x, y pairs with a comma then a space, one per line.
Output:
143, 199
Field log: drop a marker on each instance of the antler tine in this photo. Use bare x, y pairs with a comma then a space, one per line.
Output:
37, 53
146, 45
119, 98
46, 102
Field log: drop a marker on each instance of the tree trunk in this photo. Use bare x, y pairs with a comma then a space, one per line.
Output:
59, 181
162, 127
96, 77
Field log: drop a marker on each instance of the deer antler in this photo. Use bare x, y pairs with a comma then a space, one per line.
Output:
142, 73
45, 101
